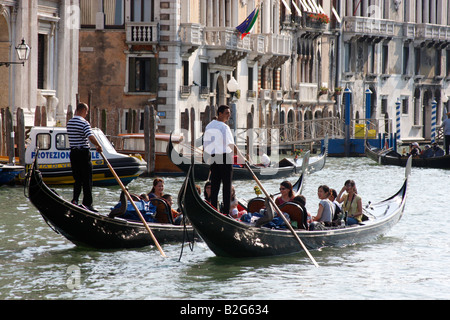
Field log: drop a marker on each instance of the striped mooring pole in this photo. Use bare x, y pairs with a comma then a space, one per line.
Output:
398, 113
433, 121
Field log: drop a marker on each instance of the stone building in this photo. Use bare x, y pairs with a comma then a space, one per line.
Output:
47, 83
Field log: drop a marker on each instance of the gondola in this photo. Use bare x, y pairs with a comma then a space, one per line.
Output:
84, 227
231, 238
8, 172
282, 169
391, 157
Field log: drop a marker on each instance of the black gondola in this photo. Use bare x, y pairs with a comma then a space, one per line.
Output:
84, 227
231, 238
391, 157
282, 169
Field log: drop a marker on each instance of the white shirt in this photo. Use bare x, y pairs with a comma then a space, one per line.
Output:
265, 160
217, 138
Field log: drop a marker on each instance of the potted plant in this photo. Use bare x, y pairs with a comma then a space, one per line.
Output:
338, 90
319, 17
323, 90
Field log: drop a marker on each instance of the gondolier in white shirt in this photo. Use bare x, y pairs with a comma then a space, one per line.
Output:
80, 133
219, 150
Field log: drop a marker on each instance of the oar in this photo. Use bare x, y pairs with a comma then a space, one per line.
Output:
127, 194
279, 211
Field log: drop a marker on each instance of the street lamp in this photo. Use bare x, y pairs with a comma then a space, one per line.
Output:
23, 52
233, 86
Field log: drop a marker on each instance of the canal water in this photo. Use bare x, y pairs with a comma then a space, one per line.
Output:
410, 262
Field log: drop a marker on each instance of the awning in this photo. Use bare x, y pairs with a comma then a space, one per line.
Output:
299, 12
286, 6
305, 6
313, 7
336, 15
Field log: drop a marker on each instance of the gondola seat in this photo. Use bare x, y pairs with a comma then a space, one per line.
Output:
255, 204
163, 211
295, 213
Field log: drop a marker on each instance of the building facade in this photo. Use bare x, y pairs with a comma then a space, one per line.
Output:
47, 83
179, 56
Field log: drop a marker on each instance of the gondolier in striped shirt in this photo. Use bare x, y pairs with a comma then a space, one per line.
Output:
80, 133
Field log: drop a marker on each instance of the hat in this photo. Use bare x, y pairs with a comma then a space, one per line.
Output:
415, 144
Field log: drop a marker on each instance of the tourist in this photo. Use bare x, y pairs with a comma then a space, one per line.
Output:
287, 193
351, 202
207, 191
264, 159
414, 149
325, 212
337, 206
157, 190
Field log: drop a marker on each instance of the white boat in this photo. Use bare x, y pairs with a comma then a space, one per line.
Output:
53, 153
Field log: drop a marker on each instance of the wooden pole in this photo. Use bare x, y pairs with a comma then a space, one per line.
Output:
127, 194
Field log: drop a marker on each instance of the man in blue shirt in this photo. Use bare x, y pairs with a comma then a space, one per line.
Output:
446, 126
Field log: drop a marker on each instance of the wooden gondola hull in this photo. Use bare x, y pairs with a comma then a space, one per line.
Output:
228, 237
84, 227
391, 158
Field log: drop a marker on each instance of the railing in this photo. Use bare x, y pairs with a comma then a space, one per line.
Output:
142, 32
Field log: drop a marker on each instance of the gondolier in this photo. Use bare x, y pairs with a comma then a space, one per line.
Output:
446, 126
80, 133
219, 148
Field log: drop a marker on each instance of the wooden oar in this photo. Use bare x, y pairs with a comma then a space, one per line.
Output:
127, 194
279, 212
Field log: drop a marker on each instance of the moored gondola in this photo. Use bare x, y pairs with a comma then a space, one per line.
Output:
282, 169
228, 237
84, 227
391, 157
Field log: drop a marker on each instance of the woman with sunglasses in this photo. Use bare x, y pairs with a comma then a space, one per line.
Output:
351, 202
287, 193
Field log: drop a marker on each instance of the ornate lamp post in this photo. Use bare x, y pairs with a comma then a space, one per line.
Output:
232, 87
23, 52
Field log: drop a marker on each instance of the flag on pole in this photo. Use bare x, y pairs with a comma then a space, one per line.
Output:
245, 27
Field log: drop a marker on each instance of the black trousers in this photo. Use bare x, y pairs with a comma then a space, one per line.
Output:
447, 144
80, 160
222, 172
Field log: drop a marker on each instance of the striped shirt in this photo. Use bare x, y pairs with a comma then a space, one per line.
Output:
79, 131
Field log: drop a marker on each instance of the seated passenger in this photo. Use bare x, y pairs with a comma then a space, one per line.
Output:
325, 212
351, 202
158, 189
207, 191
236, 211
287, 193
337, 206
427, 152
169, 200
438, 151
264, 158
414, 149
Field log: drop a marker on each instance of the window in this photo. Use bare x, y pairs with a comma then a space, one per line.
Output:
44, 141
405, 59
384, 59
405, 106
113, 10
447, 65
250, 78
142, 10
384, 104
143, 75
204, 76
62, 141
417, 61
348, 56
41, 61
438, 62
185, 73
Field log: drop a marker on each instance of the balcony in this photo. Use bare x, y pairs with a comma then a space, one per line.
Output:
257, 46
368, 28
307, 93
191, 37
142, 32
225, 45
278, 48
432, 35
